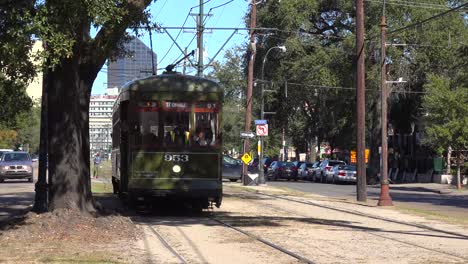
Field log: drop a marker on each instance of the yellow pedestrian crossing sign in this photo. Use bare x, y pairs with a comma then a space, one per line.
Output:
246, 158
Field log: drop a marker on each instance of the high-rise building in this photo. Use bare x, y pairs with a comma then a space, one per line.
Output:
136, 64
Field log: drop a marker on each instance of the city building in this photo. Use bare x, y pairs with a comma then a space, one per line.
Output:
34, 89
100, 121
136, 64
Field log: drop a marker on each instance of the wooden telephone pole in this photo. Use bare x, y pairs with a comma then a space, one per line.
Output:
361, 186
248, 111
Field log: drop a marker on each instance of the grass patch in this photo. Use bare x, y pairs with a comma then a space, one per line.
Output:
105, 169
101, 187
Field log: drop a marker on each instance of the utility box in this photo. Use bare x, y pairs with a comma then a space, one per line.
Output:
438, 165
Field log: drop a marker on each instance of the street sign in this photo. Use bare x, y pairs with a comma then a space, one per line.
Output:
260, 122
247, 134
262, 130
246, 158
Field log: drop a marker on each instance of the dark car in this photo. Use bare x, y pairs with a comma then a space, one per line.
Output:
288, 171
232, 168
16, 165
274, 170
266, 164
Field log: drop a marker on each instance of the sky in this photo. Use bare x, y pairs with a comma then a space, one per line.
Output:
173, 13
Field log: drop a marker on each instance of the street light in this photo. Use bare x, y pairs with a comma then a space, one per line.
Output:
262, 111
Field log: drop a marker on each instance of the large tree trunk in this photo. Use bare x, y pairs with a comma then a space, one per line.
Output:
68, 121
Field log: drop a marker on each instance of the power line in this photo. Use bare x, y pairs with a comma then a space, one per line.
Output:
427, 19
414, 4
338, 87
160, 10
180, 31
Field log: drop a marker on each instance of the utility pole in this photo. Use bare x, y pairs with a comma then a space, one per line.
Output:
248, 111
384, 199
360, 104
200, 41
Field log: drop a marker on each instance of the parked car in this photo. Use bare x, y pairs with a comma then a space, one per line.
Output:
16, 165
306, 170
314, 171
274, 169
232, 168
326, 168
266, 164
288, 171
34, 158
343, 173
303, 172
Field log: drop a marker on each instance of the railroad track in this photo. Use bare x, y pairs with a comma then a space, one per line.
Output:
353, 212
167, 245
220, 222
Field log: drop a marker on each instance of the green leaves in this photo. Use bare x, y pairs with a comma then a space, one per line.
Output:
446, 113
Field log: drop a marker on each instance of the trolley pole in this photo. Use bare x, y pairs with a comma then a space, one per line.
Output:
248, 111
384, 199
200, 41
361, 187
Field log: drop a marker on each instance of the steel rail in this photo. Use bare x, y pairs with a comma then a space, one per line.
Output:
460, 236
374, 233
266, 242
166, 244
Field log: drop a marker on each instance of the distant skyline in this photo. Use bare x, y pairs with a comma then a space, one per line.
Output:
170, 13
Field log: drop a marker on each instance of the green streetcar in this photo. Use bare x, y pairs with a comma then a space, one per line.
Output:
166, 140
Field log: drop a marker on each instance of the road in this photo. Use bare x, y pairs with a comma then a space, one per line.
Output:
415, 196
16, 196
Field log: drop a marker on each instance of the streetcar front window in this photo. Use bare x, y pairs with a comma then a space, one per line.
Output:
176, 124
206, 132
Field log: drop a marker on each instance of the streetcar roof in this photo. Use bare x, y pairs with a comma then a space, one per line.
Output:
172, 83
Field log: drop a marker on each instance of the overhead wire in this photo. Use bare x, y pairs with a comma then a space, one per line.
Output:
427, 19
413, 4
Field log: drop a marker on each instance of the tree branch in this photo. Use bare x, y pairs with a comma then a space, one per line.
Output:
111, 34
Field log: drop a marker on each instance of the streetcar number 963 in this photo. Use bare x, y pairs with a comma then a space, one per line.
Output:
176, 157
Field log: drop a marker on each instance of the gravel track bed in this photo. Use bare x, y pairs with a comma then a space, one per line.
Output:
328, 236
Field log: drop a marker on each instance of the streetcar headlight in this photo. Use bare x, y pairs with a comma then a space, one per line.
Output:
176, 168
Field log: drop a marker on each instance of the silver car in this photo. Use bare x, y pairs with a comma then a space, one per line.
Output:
343, 173
16, 165
326, 169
